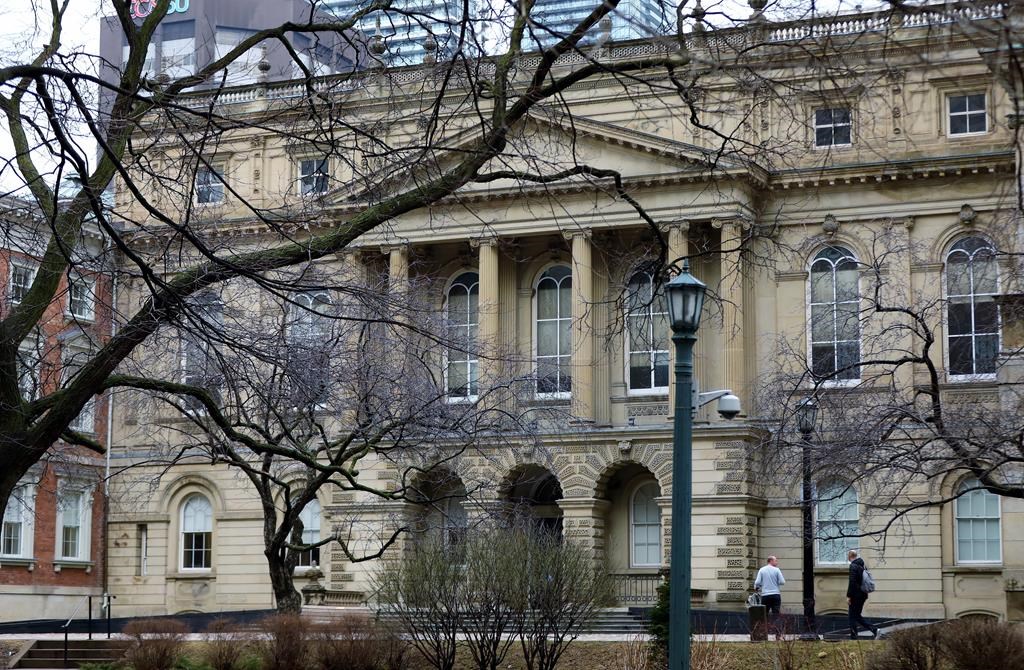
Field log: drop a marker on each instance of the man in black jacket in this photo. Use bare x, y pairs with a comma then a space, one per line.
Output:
856, 597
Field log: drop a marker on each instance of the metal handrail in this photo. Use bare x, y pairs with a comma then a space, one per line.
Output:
107, 603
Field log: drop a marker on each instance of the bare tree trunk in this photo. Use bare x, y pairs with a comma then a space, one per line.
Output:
282, 580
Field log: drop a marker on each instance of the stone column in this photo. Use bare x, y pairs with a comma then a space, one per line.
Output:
489, 330
582, 326
678, 249
731, 291
398, 267
583, 523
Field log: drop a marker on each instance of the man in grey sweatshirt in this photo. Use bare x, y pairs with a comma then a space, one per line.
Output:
768, 583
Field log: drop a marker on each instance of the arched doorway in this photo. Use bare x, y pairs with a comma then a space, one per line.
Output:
633, 531
532, 493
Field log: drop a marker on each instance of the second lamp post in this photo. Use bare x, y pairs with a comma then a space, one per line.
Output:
685, 295
806, 419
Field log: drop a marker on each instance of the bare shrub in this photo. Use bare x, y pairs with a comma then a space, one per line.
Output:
709, 654
633, 654
156, 644
348, 643
224, 646
919, 648
849, 658
982, 644
284, 643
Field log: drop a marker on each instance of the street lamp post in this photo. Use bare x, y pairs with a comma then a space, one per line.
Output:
806, 418
685, 295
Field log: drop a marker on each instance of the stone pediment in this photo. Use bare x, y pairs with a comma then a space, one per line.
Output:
541, 147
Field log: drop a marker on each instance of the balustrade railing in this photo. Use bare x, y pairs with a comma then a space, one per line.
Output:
636, 590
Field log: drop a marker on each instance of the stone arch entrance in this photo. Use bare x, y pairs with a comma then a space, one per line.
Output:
532, 492
633, 529
439, 498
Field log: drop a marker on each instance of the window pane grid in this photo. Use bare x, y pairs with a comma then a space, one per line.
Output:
967, 114
462, 306
197, 551
832, 127
554, 338
972, 317
835, 315
209, 185
313, 176
978, 534
646, 527
22, 277
647, 331
80, 297
10, 542
838, 523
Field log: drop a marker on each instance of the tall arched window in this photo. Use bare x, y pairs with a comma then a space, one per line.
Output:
834, 317
309, 347
838, 522
645, 526
310, 516
978, 536
462, 312
647, 333
196, 533
972, 282
554, 337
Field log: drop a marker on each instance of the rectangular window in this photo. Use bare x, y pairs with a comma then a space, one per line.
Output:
209, 185
13, 533
22, 276
967, 114
70, 505
73, 360
243, 70
178, 49
313, 176
199, 366
81, 297
832, 127
142, 549
196, 551
28, 375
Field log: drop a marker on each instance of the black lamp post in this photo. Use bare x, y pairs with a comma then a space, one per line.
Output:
806, 419
685, 300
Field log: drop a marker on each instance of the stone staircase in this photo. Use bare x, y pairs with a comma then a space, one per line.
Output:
50, 653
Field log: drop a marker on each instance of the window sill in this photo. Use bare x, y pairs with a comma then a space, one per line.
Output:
78, 318
72, 564
27, 562
957, 136
976, 569
184, 575
831, 569
971, 379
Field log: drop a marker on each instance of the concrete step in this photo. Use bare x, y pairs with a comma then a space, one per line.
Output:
50, 653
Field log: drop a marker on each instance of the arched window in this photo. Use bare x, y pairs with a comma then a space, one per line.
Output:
310, 516
834, 317
838, 522
645, 527
462, 315
554, 337
972, 282
647, 333
309, 346
196, 533
978, 537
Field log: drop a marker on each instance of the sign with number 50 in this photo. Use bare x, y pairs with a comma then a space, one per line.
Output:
140, 9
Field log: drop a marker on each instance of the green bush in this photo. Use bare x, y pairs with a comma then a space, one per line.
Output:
658, 624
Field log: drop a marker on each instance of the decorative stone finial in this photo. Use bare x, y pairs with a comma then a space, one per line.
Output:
377, 47
429, 48
758, 7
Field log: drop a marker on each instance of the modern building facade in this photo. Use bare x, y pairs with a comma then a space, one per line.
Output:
197, 32
404, 34
906, 153
631, 20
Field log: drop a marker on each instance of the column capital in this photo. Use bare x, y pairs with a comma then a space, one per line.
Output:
682, 225
571, 235
395, 246
484, 241
741, 220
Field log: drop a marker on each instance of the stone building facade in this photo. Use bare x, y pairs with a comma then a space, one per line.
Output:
911, 149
